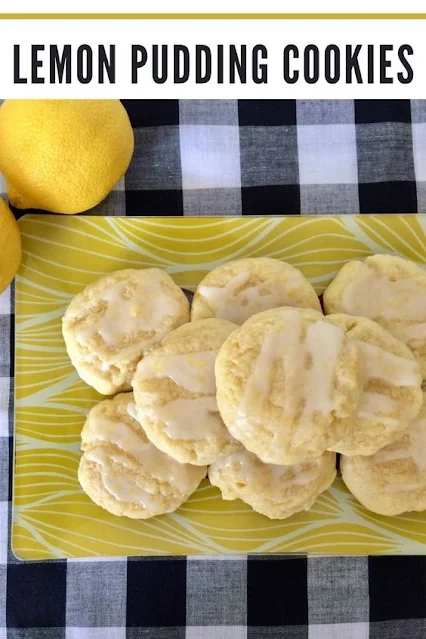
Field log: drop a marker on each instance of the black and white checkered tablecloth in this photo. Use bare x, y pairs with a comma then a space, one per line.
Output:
233, 158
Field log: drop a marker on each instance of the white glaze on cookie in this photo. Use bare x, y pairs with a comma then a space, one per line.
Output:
121, 487
374, 406
175, 394
137, 452
409, 333
416, 449
192, 371
237, 306
197, 418
143, 308
310, 368
123, 472
246, 469
374, 296
377, 363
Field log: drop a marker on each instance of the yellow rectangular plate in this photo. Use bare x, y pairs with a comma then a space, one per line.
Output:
51, 515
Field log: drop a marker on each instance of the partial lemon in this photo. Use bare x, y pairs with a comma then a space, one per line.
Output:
63, 156
10, 246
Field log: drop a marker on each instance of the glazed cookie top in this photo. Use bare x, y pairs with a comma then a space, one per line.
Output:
286, 381
175, 393
393, 480
275, 491
113, 322
122, 471
237, 290
387, 289
391, 395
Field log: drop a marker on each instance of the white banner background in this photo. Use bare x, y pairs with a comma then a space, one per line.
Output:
274, 34
219, 6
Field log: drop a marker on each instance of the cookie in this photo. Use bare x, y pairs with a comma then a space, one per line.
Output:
175, 394
237, 290
275, 491
391, 394
287, 380
393, 480
123, 472
389, 290
112, 323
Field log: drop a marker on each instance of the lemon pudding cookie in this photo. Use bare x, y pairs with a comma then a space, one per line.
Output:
389, 290
112, 323
237, 290
123, 472
175, 393
275, 491
393, 480
286, 381
391, 395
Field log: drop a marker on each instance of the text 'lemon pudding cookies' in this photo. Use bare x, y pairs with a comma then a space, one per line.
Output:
175, 393
393, 480
112, 323
237, 290
286, 381
389, 290
123, 472
275, 491
391, 393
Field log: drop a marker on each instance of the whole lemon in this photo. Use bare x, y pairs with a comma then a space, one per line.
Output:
10, 246
63, 156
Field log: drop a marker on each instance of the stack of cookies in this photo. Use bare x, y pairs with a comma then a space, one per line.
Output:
254, 385
383, 460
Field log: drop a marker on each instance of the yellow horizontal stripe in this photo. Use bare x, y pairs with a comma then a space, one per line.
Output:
212, 16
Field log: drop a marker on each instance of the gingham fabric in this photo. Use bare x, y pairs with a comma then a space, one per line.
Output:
233, 158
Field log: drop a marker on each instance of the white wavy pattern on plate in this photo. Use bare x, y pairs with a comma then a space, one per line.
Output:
51, 515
